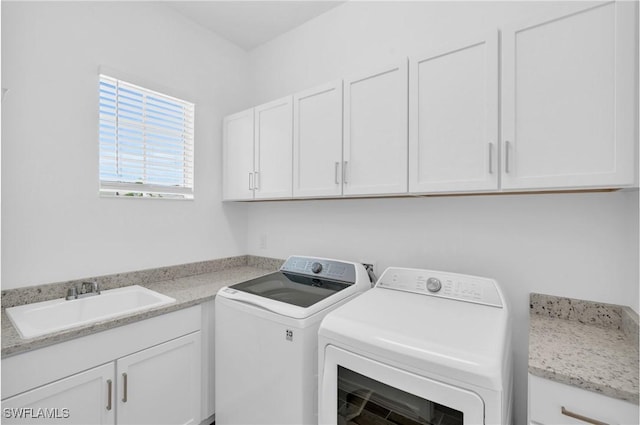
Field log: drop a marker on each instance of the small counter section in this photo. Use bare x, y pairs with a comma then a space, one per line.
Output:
588, 345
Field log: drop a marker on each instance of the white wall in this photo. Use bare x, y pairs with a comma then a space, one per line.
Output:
55, 226
576, 245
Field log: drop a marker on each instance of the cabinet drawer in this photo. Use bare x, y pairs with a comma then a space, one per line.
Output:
547, 398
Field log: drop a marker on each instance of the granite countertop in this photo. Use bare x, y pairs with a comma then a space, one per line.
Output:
592, 346
187, 291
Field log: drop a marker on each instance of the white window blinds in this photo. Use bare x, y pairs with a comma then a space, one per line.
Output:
146, 142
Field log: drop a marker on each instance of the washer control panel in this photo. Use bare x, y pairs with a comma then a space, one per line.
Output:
320, 268
454, 286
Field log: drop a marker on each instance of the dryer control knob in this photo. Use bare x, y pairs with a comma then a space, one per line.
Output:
433, 284
316, 267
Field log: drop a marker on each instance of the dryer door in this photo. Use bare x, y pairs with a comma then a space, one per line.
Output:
358, 390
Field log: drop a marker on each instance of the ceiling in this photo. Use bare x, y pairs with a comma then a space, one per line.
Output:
249, 24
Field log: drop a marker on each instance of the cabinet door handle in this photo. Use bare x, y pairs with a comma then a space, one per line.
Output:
335, 172
344, 172
490, 158
256, 180
109, 392
124, 388
507, 148
580, 417
250, 181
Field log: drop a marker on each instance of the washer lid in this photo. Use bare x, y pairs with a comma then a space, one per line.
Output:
303, 287
298, 290
439, 336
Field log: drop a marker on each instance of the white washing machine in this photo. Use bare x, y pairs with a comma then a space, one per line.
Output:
422, 347
266, 340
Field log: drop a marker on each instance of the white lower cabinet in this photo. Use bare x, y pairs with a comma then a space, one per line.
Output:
84, 398
148, 372
552, 403
161, 385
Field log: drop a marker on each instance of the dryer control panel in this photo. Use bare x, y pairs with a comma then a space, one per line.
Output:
453, 286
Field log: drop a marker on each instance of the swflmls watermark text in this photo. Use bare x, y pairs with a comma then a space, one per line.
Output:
35, 413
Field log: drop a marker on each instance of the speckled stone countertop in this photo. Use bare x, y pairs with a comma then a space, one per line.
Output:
588, 345
187, 291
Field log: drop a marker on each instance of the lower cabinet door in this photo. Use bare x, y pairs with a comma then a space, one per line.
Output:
553, 403
161, 385
85, 398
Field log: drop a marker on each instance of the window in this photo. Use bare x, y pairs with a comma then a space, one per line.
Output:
146, 142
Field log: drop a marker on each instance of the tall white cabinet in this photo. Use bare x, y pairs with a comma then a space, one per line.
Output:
454, 117
317, 141
568, 99
376, 132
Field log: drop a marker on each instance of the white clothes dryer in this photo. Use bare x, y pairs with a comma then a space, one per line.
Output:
266, 340
422, 347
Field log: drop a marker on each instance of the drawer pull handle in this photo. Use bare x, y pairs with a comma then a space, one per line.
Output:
109, 391
580, 417
125, 385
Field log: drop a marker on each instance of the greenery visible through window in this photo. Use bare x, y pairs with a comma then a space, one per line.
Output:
146, 142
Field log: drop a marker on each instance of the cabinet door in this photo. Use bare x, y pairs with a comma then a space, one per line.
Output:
161, 385
274, 149
237, 162
568, 100
376, 132
86, 398
453, 143
317, 141
552, 403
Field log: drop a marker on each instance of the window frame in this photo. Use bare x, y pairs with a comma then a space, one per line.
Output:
121, 186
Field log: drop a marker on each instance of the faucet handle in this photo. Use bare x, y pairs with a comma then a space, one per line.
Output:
89, 287
72, 293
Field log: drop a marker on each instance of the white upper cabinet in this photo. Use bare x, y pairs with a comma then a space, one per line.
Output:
453, 143
376, 132
317, 141
273, 149
568, 104
237, 162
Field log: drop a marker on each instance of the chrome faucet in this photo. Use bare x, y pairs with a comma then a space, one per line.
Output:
86, 289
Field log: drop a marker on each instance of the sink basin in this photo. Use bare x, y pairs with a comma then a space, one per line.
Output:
46, 317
